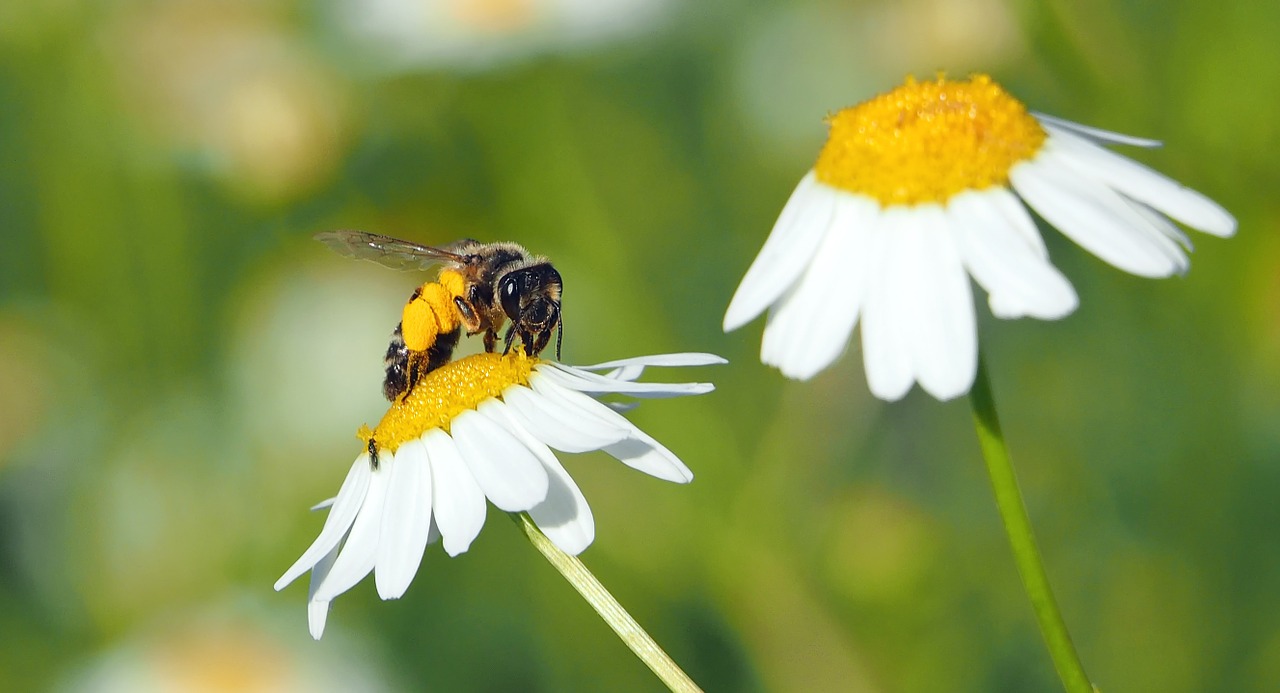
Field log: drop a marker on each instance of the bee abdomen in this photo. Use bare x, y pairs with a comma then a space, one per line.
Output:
405, 367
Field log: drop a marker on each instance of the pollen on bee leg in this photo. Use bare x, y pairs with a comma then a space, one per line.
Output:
418, 324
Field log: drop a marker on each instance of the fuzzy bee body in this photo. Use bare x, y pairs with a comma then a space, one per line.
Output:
479, 288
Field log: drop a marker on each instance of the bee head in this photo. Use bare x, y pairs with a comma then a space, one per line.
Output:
530, 296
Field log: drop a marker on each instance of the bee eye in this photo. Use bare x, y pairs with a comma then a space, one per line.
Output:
510, 297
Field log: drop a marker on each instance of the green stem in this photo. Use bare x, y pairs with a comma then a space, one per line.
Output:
1021, 538
609, 609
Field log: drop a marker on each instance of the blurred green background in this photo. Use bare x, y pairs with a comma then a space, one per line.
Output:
182, 369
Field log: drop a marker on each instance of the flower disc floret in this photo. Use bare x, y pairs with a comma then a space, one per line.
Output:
446, 392
927, 141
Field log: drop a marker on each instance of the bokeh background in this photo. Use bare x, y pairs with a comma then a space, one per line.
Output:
182, 369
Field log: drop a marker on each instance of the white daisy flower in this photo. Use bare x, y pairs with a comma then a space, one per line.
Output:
918, 189
480, 34
475, 429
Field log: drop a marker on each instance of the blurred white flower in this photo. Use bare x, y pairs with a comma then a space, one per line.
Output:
227, 648
298, 319
913, 193
475, 429
415, 34
225, 87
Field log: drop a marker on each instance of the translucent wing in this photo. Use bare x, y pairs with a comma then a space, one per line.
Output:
387, 251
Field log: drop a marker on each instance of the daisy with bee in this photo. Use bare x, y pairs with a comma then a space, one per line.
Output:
460, 435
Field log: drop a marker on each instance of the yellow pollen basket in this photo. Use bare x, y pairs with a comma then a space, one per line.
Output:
443, 394
927, 141
433, 312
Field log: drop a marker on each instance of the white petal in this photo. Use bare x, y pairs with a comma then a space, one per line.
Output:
642, 453
628, 373
780, 327
1144, 184
505, 470
683, 359
360, 549
564, 515
583, 381
885, 354
317, 616
636, 449
1007, 306
1165, 235
406, 520
350, 496
456, 499
1015, 214
1093, 215
558, 423
1163, 224
785, 254
943, 333
810, 328
1002, 262
1094, 133
318, 611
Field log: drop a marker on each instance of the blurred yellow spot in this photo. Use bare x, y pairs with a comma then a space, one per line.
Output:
494, 16
927, 141
225, 658
443, 394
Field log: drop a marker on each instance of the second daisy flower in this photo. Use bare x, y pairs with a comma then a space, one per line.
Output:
917, 190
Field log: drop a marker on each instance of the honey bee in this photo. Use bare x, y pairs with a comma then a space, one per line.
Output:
480, 287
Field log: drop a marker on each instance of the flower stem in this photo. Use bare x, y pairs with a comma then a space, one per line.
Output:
1021, 538
609, 609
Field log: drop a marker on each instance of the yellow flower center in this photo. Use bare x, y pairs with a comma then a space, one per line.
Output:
443, 394
927, 141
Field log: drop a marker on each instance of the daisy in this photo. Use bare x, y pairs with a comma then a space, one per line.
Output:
475, 429
922, 187
408, 35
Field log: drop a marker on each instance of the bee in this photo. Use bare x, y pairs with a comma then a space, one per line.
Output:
480, 286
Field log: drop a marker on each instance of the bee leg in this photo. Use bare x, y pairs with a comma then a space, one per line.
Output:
491, 340
468, 314
511, 335
559, 335
415, 370
540, 343
396, 364
442, 350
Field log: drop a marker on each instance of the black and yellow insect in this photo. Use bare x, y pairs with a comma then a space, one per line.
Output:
479, 287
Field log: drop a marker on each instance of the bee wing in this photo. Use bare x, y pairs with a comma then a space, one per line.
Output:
387, 251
